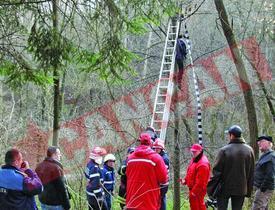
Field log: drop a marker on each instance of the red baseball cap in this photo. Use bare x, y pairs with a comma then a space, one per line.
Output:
196, 147
145, 139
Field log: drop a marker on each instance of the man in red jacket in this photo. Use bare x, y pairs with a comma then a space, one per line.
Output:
145, 173
55, 194
197, 176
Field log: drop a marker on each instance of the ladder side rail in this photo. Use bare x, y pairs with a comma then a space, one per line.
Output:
161, 70
170, 87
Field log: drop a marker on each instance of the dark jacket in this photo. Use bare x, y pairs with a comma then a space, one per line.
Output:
108, 178
164, 187
152, 133
122, 172
235, 165
181, 51
94, 174
55, 191
123, 183
165, 158
265, 171
17, 188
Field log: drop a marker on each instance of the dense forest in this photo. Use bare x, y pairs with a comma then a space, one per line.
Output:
83, 73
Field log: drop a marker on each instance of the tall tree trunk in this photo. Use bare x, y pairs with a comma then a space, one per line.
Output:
56, 109
176, 160
245, 84
43, 106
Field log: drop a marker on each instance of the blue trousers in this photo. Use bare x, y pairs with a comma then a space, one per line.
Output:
163, 202
108, 198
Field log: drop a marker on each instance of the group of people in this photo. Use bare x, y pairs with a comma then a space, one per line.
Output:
233, 175
19, 184
144, 177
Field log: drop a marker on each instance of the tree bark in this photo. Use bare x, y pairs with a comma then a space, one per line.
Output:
56, 109
176, 161
245, 84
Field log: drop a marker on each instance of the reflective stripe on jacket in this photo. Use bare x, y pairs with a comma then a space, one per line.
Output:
108, 178
94, 175
145, 172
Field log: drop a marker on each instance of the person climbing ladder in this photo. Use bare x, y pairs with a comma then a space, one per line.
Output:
181, 53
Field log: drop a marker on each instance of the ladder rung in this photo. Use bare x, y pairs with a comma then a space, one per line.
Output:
161, 108
161, 100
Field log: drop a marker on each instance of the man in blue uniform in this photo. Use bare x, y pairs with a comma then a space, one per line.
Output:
93, 173
109, 178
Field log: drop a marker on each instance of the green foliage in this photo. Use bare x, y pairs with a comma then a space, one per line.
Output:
154, 10
109, 23
17, 76
49, 47
137, 25
112, 62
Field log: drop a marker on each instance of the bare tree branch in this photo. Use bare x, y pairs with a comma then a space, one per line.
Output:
23, 3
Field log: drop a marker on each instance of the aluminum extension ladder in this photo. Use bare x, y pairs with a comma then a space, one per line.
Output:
165, 85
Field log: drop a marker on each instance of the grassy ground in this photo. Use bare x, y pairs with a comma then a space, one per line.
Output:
79, 202
185, 203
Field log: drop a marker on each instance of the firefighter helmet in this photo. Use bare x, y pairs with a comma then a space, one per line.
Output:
158, 144
109, 157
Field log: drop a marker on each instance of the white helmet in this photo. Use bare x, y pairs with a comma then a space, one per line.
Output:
109, 157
